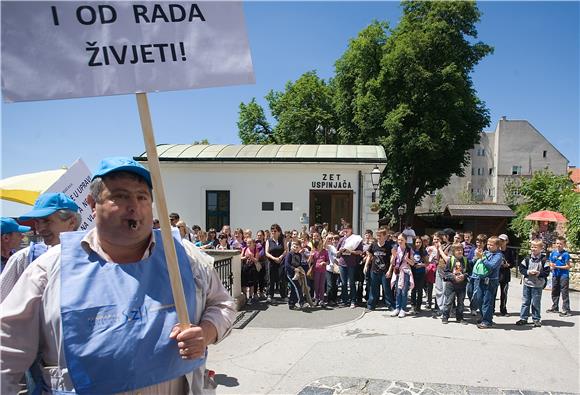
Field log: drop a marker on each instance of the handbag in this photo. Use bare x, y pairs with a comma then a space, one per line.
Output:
310, 273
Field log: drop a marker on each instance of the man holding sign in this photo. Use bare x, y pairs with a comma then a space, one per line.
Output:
99, 310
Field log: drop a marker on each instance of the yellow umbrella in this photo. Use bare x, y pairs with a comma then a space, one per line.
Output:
27, 187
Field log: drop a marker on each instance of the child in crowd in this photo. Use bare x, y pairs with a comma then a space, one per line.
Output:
377, 263
432, 261
332, 272
223, 242
560, 266
319, 260
400, 273
467, 245
474, 255
202, 242
238, 242
250, 259
535, 270
419, 257
455, 280
294, 261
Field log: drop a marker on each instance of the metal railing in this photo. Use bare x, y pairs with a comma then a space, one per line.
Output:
223, 267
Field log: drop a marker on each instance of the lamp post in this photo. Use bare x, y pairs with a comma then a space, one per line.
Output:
401, 210
375, 179
325, 131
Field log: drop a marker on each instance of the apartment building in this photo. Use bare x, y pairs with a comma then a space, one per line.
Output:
515, 150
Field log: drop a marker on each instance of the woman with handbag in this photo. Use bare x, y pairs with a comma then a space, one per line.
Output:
250, 270
318, 260
402, 278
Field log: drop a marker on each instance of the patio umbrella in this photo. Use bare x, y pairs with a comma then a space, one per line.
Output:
546, 215
26, 188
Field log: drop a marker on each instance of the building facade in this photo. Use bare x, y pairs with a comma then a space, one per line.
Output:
515, 150
254, 186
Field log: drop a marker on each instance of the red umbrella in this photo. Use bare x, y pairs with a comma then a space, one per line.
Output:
546, 215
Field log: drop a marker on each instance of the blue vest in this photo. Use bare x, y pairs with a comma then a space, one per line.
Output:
116, 319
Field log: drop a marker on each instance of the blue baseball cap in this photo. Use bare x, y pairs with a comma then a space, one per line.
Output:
9, 225
120, 163
48, 204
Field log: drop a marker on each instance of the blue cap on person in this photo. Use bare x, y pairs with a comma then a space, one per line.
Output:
120, 163
48, 204
9, 225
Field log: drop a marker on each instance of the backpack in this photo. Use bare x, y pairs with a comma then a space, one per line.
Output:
452, 261
479, 269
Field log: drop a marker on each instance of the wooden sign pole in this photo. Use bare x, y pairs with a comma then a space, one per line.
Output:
158, 192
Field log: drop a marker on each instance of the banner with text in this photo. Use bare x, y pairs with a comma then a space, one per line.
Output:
65, 49
75, 184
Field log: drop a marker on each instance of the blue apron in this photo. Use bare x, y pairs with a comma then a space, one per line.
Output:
116, 319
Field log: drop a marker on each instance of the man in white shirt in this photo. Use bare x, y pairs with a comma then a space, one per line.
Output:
52, 213
409, 233
98, 307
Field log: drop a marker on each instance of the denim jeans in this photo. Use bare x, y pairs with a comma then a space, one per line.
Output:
402, 293
295, 292
331, 287
417, 292
378, 279
560, 285
347, 274
453, 294
488, 292
531, 297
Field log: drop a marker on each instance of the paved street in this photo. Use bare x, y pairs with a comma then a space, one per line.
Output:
346, 351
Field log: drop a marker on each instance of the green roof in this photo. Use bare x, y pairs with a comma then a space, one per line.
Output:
269, 153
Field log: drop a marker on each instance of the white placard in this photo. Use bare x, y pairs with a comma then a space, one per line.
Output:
75, 184
64, 49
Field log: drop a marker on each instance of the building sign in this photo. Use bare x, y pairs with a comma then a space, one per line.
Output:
331, 181
64, 49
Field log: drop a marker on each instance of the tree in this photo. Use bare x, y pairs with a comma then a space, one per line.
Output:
433, 115
407, 89
546, 191
253, 127
201, 142
303, 111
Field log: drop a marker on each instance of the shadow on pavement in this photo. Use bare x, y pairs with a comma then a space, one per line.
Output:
225, 380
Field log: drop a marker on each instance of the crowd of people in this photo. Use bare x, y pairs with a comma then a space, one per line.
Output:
403, 272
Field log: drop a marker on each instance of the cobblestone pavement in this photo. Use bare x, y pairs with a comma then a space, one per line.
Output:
334, 385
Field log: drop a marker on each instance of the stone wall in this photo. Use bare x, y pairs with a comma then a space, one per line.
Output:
575, 271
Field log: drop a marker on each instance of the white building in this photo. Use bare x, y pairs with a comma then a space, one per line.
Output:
513, 151
254, 186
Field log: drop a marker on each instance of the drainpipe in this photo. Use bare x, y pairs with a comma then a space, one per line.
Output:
360, 203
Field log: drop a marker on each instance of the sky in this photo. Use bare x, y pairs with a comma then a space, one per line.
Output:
533, 75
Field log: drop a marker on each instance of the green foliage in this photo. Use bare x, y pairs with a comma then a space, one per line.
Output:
437, 203
253, 127
201, 142
547, 191
408, 89
512, 192
571, 210
303, 111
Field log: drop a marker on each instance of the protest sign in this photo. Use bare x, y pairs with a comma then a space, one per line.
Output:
65, 49
75, 184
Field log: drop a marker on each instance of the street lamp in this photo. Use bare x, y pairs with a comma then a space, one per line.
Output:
325, 131
401, 210
375, 179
